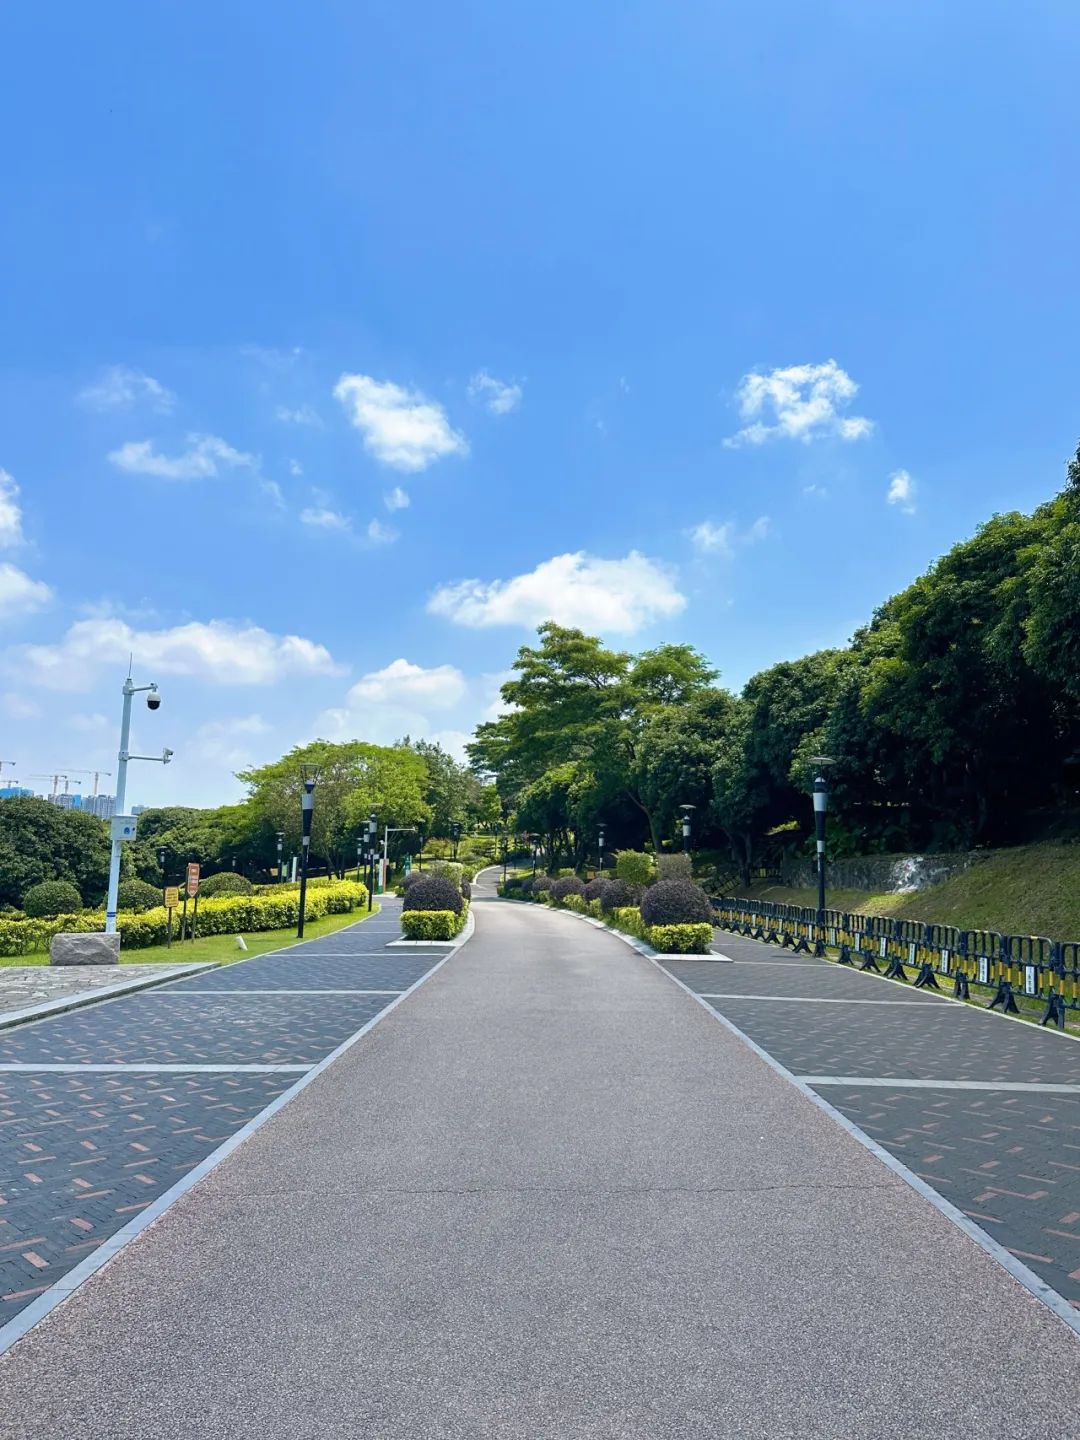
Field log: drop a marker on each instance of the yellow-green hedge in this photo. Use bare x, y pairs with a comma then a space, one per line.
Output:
433, 924
231, 915
693, 939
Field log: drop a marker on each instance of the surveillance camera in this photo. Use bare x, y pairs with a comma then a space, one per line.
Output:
166, 755
153, 698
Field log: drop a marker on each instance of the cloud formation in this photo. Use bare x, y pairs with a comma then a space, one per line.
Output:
610, 596
497, 396
19, 595
798, 402
298, 415
323, 517
203, 459
396, 499
901, 491
386, 704
219, 652
10, 511
723, 539
401, 428
121, 388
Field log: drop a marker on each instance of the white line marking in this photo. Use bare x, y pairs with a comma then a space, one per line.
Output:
1061, 1307
58, 1292
145, 1068
197, 994
1036, 1086
814, 999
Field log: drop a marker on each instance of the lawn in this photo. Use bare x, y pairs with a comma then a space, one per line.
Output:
220, 948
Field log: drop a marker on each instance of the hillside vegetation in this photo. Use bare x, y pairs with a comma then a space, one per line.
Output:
1027, 890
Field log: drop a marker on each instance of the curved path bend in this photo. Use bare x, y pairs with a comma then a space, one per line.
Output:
548, 1196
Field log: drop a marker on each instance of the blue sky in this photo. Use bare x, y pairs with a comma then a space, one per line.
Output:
647, 310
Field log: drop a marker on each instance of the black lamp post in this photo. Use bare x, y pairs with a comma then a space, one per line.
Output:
505, 845
821, 806
600, 847
359, 854
420, 850
309, 774
536, 858
372, 832
162, 855
280, 863
455, 831
686, 809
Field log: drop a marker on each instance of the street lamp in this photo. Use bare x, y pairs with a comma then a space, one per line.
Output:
420, 848
162, 855
505, 848
600, 845
536, 859
686, 810
280, 865
123, 826
372, 832
309, 775
455, 831
821, 805
359, 854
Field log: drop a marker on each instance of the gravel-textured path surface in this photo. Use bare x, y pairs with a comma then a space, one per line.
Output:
548, 1196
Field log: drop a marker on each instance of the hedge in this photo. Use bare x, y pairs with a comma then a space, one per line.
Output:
433, 924
231, 915
679, 939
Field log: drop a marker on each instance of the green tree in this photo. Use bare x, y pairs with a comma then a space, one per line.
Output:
39, 841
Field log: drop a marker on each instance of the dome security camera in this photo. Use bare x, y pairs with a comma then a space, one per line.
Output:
153, 698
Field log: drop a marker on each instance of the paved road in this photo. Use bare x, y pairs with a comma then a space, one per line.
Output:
548, 1196
104, 1109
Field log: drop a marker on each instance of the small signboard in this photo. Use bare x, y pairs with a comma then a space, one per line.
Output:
193, 879
123, 827
172, 896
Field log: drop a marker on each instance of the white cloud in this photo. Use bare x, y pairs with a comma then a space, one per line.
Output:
273, 491
400, 427
205, 453
322, 517
10, 511
901, 491
19, 595
403, 683
231, 743
18, 707
395, 701
818, 491
120, 387
219, 652
498, 396
295, 468
298, 415
710, 538
610, 596
380, 534
396, 499
802, 402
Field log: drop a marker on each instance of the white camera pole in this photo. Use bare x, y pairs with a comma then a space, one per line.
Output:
123, 756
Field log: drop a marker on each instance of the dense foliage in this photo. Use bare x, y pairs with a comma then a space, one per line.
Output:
137, 895
615, 894
675, 902
39, 841
51, 897
953, 718
226, 882
567, 885
434, 892
595, 888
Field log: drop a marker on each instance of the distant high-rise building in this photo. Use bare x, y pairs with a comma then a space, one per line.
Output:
139, 809
65, 802
14, 792
103, 806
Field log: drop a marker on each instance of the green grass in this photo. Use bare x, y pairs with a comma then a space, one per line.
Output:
220, 948
1029, 890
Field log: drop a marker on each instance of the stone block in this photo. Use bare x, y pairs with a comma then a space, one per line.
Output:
90, 948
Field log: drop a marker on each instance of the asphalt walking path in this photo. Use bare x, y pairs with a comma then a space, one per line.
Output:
548, 1195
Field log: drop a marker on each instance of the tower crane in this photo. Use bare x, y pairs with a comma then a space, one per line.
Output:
56, 782
96, 773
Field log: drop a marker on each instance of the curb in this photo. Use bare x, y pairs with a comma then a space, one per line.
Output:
63, 1003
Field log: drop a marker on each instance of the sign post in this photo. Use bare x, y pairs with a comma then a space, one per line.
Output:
172, 899
192, 890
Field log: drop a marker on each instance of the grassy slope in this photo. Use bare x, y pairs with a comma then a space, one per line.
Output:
222, 948
1029, 890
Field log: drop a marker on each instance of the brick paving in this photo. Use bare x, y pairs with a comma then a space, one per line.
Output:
24, 986
82, 1154
1009, 1159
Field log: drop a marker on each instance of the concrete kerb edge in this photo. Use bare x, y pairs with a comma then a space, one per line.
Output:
64, 1003
66, 1286
1057, 1303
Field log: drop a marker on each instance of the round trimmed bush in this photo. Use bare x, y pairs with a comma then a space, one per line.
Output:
409, 880
567, 885
51, 897
676, 902
526, 887
616, 894
434, 892
542, 884
137, 895
225, 882
595, 888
